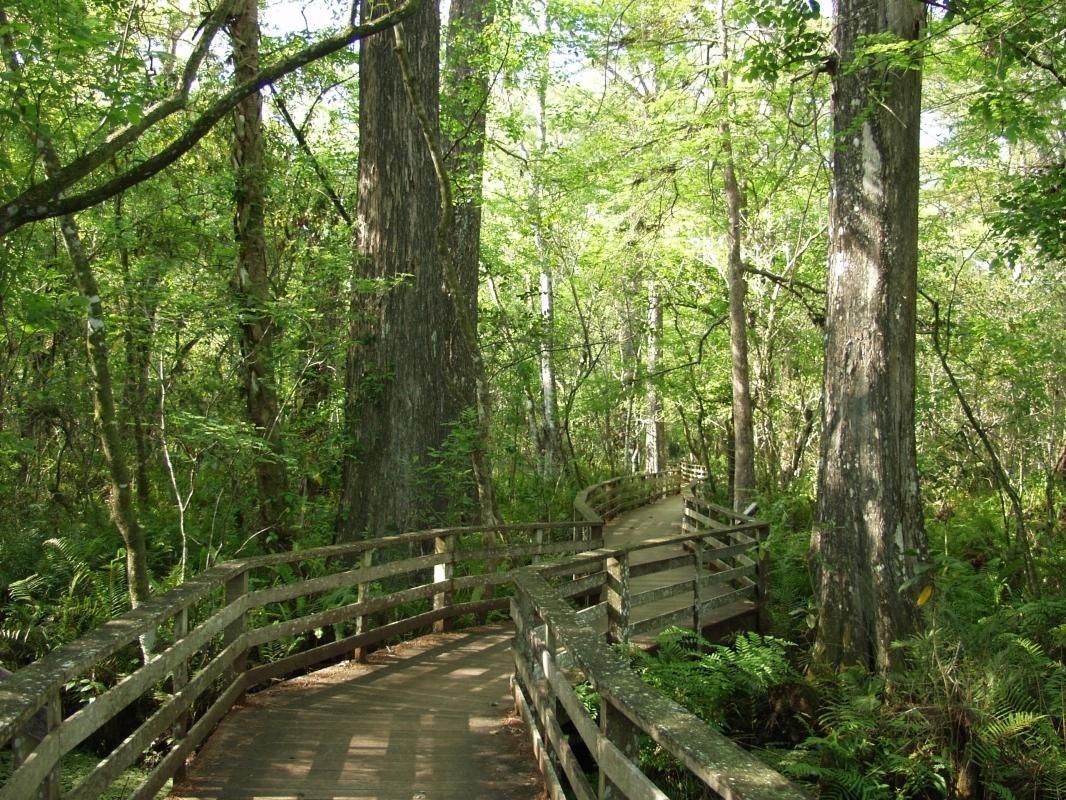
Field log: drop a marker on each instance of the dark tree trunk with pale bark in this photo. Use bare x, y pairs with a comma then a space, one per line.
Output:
405, 340
251, 282
868, 534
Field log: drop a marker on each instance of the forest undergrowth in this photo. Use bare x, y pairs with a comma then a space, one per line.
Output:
977, 712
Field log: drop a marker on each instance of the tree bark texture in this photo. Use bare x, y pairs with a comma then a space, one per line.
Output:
251, 281
868, 534
405, 338
743, 418
466, 323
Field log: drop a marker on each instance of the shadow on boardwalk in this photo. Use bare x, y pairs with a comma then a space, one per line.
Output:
428, 719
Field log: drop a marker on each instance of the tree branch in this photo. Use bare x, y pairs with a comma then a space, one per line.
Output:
301, 140
44, 200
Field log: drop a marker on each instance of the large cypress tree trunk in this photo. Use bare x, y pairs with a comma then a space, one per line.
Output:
251, 282
869, 520
405, 339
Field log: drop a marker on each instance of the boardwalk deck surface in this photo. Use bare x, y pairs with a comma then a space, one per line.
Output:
428, 720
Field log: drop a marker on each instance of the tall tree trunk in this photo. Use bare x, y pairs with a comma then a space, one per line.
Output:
463, 110
629, 332
123, 509
137, 335
404, 331
463, 107
465, 319
654, 439
251, 281
743, 418
551, 441
868, 534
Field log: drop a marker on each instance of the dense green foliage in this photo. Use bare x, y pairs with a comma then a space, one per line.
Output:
602, 172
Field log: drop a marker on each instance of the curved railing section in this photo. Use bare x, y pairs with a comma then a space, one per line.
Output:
559, 647
209, 632
600, 502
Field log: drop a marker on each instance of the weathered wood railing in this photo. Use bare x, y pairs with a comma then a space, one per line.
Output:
209, 629
602, 501
557, 647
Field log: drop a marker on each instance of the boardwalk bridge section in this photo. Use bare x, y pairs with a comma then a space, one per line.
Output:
427, 719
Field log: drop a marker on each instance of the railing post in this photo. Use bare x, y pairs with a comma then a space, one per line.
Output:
624, 735
24, 744
617, 587
179, 678
762, 580
525, 636
538, 539
236, 588
362, 595
442, 573
697, 589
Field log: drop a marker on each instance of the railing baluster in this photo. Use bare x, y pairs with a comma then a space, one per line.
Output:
54, 717
179, 678
362, 594
538, 538
442, 573
236, 588
697, 590
24, 744
624, 735
762, 580
617, 588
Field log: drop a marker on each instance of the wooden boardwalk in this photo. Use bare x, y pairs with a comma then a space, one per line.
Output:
429, 720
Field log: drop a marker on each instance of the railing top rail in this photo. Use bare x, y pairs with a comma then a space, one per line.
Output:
717, 761
647, 544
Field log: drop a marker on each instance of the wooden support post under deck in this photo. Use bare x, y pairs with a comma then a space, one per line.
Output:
442, 573
362, 595
236, 588
617, 589
624, 735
